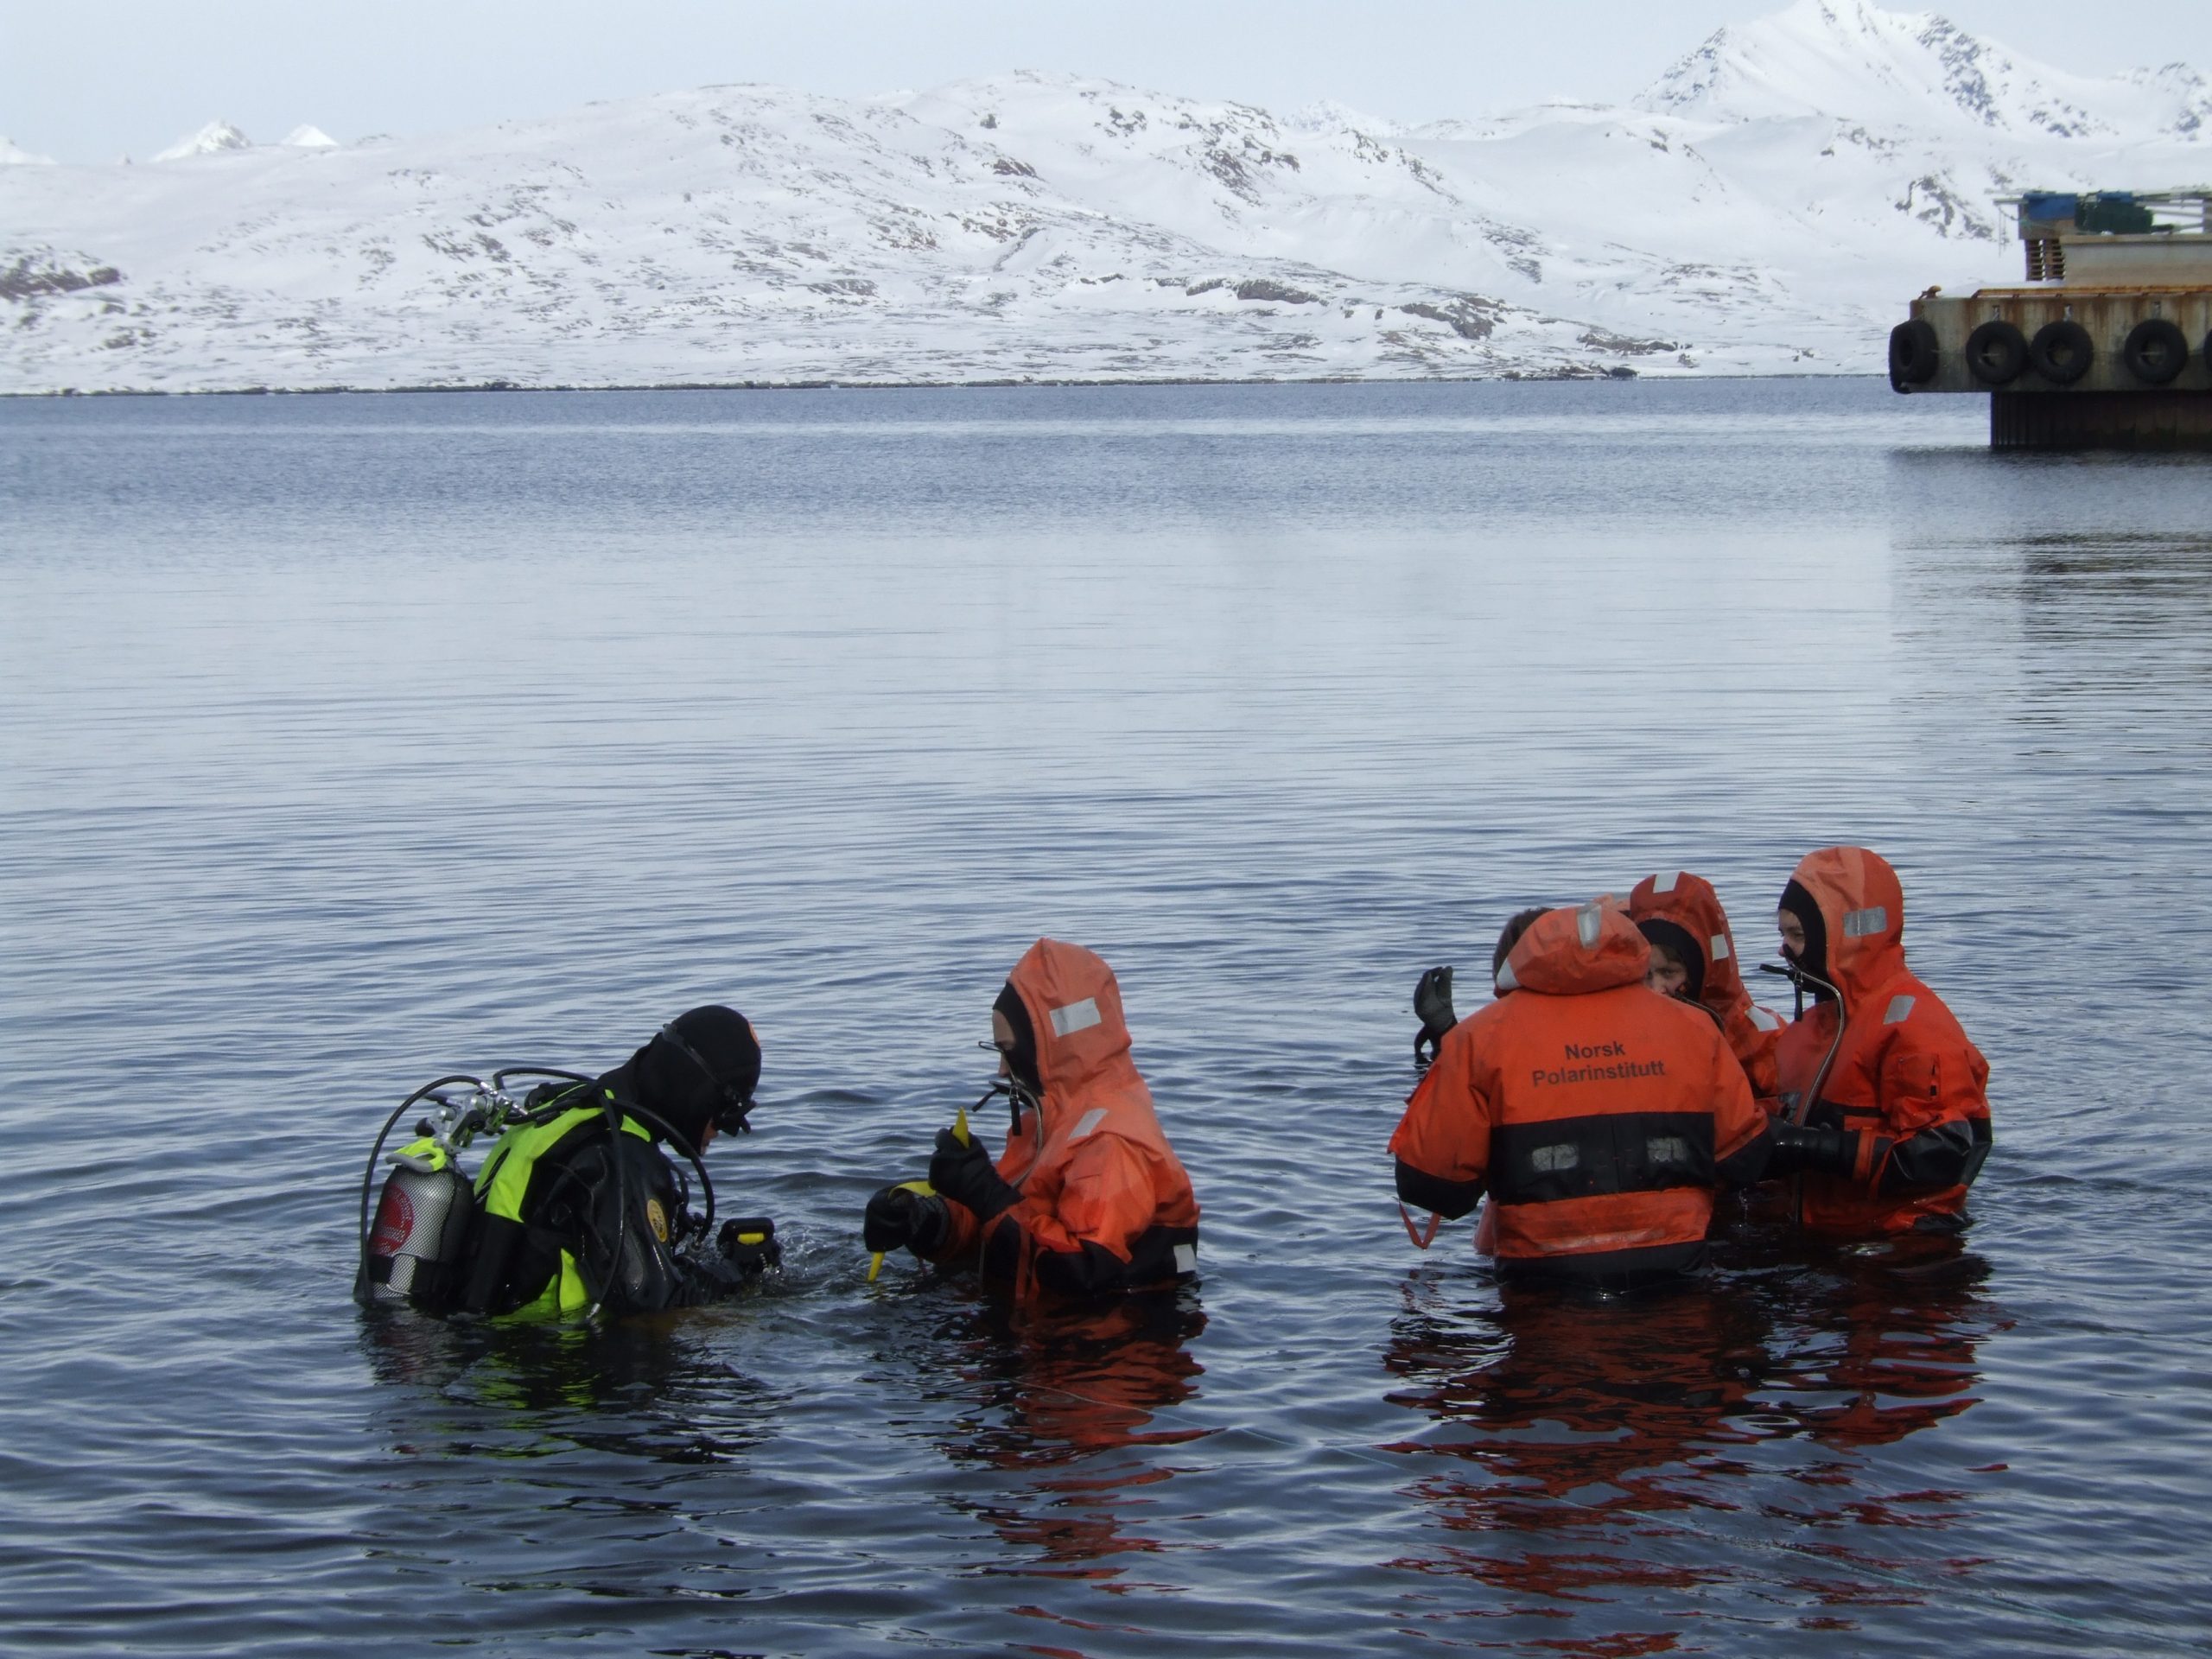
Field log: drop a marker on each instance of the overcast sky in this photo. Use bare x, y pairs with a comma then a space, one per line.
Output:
85, 80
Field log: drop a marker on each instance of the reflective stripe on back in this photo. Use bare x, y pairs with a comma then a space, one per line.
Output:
1720, 951
1900, 1010
1084, 1125
1764, 1020
1665, 880
1571, 1158
1589, 922
1862, 924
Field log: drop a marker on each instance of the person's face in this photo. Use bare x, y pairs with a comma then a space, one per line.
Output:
1002, 1040
1792, 931
707, 1135
1666, 976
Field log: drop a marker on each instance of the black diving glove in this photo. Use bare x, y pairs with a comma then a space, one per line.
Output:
900, 1216
962, 1170
1433, 1003
1799, 1147
749, 1243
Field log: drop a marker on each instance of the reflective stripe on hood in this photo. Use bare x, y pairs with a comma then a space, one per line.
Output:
1573, 951
1075, 1008
1862, 906
1690, 903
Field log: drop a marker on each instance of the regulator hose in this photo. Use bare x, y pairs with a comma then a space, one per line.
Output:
500, 1077
1800, 978
614, 1115
616, 1110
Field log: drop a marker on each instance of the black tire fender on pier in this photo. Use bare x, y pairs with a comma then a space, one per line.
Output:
1997, 353
1914, 355
2156, 352
2062, 352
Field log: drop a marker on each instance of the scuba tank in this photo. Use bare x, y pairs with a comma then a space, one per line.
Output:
421, 1222
412, 1251
416, 1249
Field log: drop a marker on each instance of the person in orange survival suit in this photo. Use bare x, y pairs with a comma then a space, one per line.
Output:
1598, 1116
1681, 914
1885, 1100
1088, 1196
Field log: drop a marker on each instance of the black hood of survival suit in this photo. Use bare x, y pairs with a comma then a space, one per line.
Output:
1676, 940
670, 1083
1022, 1059
1814, 959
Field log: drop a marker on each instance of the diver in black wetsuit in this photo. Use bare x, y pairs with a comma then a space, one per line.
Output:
583, 1211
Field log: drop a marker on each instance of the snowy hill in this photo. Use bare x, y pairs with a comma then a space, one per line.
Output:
1887, 69
210, 140
1769, 205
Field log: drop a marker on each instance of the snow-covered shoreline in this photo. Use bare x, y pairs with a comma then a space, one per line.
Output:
893, 385
1766, 208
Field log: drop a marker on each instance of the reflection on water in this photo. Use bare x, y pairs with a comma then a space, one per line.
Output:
1598, 1450
642, 1387
1057, 1399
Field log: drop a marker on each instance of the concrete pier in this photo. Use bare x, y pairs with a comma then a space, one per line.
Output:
2107, 344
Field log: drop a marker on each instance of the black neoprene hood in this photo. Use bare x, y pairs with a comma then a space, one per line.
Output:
1814, 959
1023, 1056
1674, 938
693, 1089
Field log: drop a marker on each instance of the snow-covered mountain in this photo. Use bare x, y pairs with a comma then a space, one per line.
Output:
1769, 205
1826, 58
210, 140
13, 154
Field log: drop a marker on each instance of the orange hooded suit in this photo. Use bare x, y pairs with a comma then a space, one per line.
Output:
1892, 1071
1689, 902
1598, 1115
1103, 1203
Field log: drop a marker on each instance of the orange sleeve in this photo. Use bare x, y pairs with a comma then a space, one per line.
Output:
1106, 1200
1444, 1133
1755, 1052
1930, 1074
1737, 1117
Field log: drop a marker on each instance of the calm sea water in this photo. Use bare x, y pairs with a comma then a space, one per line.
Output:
348, 740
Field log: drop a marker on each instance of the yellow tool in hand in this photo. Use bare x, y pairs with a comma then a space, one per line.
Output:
960, 1134
875, 1257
